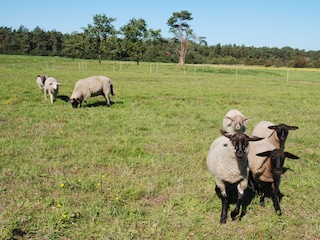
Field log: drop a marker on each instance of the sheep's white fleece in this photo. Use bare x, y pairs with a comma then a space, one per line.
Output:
92, 86
40, 81
262, 130
223, 164
51, 86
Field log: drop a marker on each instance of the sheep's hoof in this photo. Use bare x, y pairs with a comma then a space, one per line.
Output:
234, 214
278, 212
223, 221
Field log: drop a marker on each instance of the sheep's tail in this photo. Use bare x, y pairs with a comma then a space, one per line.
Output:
111, 89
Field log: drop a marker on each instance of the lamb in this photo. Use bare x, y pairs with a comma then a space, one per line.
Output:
275, 134
40, 81
234, 121
51, 86
266, 166
91, 87
227, 161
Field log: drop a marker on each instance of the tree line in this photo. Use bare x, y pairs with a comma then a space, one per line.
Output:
136, 42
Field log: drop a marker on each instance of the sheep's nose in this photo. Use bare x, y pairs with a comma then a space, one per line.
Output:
240, 154
278, 170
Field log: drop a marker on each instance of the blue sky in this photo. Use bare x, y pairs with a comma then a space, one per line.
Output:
272, 23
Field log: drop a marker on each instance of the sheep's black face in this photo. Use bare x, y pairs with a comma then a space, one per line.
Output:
74, 102
240, 143
277, 160
282, 132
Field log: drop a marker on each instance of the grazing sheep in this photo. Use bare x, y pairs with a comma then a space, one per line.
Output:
51, 86
275, 134
266, 166
234, 121
40, 81
91, 87
227, 161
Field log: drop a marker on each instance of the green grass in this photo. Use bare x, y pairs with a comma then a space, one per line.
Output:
137, 170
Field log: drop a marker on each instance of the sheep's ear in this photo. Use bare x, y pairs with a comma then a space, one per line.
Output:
255, 138
293, 127
231, 119
264, 154
273, 127
247, 119
226, 134
291, 156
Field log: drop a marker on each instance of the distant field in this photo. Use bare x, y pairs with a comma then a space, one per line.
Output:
137, 170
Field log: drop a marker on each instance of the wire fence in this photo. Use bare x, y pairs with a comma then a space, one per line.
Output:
56, 64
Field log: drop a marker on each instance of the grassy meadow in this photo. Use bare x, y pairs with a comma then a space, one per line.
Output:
137, 170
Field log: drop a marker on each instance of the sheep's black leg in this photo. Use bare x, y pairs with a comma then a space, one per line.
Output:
276, 200
236, 211
262, 200
261, 194
249, 194
224, 211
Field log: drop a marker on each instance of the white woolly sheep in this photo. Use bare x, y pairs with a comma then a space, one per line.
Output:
234, 121
51, 86
275, 134
266, 166
91, 87
40, 81
227, 161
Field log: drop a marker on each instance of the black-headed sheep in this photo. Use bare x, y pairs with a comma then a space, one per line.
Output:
51, 86
266, 166
275, 134
227, 161
234, 121
91, 87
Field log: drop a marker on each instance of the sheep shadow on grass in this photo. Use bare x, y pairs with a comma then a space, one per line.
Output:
63, 98
100, 103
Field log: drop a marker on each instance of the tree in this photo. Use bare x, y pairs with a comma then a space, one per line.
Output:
75, 45
179, 26
98, 34
135, 34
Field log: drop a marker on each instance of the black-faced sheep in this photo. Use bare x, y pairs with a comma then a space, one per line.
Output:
227, 161
91, 87
275, 134
40, 81
266, 166
234, 121
51, 86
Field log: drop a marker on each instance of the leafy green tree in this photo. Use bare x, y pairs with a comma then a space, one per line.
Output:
75, 45
180, 27
135, 34
98, 34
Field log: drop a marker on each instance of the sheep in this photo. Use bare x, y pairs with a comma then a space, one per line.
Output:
234, 121
51, 86
40, 81
91, 87
227, 161
266, 166
275, 134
